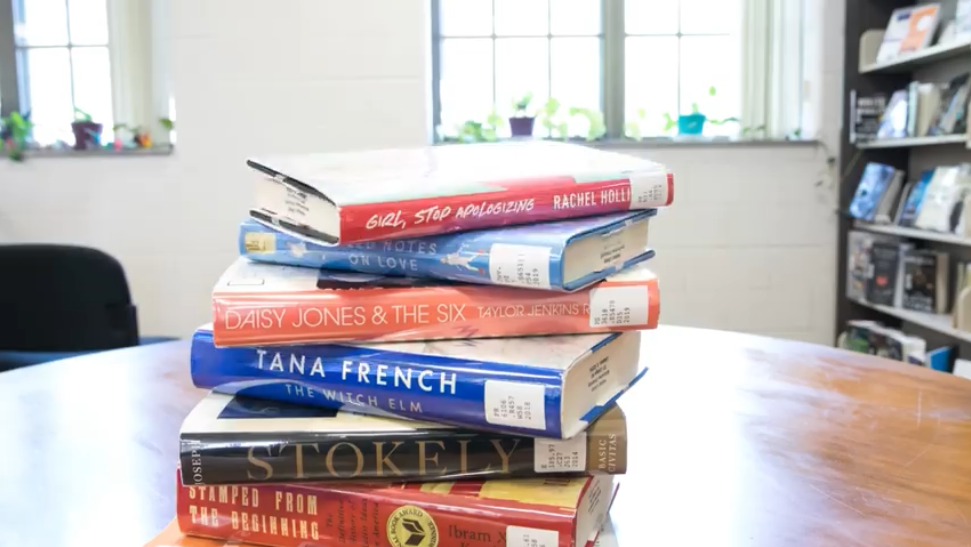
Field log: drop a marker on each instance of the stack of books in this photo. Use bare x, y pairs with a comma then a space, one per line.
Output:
424, 348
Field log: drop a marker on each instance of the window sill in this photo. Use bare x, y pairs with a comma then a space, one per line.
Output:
37, 153
666, 142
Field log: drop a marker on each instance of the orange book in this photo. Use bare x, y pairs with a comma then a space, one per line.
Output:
493, 513
266, 304
921, 28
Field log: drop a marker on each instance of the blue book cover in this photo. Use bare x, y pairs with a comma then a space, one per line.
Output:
551, 386
915, 199
874, 182
567, 255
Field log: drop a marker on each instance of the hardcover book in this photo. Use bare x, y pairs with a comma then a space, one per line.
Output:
926, 280
570, 254
550, 512
236, 440
269, 304
884, 285
351, 197
915, 198
867, 200
548, 386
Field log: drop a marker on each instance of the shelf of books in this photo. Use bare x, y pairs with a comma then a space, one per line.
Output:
905, 142
905, 237
914, 233
931, 54
937, 322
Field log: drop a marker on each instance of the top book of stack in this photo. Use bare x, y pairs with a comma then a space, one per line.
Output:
353, 197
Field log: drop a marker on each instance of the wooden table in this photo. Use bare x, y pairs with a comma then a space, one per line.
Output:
736, 440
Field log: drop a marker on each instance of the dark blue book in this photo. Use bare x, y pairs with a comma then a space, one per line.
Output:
876, 178
912, 206
570, 254
551, 386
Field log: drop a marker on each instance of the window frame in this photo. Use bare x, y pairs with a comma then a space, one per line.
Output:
612, 64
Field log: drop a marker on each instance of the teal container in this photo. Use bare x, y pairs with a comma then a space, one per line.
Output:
691, 124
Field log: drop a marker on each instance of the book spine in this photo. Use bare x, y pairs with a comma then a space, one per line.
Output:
472, 259
438, 312
439, 514
381, 382
553, 199
414, 456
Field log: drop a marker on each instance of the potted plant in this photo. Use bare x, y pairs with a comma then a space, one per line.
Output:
87, 132
141, 136
14, 133
521, 122
693, 124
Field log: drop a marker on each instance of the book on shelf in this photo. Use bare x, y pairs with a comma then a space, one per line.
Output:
914, 198
886, 270
571, 253
909, 30
951, 116
270, 304
926, 281
552, 512
941, 206
550, 386
876, 193
866, 111
352, 197
239, 440
893, 124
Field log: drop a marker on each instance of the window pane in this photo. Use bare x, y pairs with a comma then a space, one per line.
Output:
651, 16
576, 79
710, 16
708, 61
522, 17
42, 23
466, 17
522, 66
651, 77
89, 22
576, 17
49, 86
466, 82
92, 86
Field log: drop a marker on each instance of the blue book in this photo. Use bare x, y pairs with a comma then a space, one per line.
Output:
915, 199
550, 386
562, 256
869, 195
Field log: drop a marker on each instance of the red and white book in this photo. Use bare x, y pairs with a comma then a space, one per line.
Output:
352, 197
565, 512
267, 304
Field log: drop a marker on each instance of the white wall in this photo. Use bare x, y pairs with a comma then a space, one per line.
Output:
750, 244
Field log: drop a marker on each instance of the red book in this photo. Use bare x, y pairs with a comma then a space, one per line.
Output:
264, 304
352, 197
501, 513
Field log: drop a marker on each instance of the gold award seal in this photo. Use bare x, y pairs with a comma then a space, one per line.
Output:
411, 526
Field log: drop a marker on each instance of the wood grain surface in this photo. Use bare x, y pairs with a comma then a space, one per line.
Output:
735, 440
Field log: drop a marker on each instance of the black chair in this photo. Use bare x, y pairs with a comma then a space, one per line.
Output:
59, 301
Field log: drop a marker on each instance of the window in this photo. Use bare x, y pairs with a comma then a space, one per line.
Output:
631, 66
62, 46
60, 59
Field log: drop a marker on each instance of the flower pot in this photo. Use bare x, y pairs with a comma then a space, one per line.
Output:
691, 124
87, 135
521, 127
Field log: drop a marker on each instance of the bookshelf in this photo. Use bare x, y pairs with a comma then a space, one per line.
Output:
938, 63
914, 141
930, 55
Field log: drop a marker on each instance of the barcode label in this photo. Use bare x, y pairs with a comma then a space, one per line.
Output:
648, 190
520, 265
515, 404
619, 306
521, 536
556, 456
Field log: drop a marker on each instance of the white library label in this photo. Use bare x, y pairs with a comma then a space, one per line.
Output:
648, 190
515, 404
558, 456
522, 536
619, 306
520, 265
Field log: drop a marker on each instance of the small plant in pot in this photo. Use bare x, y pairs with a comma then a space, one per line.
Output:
14, 134
521, 122
87, 132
